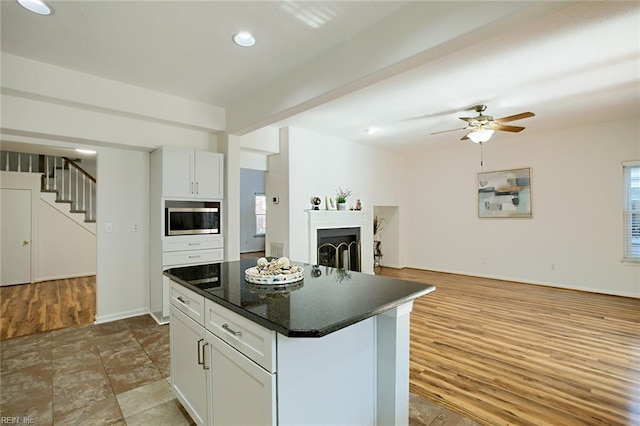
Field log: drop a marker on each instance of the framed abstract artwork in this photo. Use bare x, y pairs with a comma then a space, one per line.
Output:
504, 194
330, 202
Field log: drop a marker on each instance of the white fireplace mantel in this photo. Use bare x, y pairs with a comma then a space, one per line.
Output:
330, 219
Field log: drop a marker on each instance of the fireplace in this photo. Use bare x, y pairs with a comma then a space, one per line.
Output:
339, 248
332, 225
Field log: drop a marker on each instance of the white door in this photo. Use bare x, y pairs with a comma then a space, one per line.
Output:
177, 173
238, 383
15, 233
209, 168
188, 374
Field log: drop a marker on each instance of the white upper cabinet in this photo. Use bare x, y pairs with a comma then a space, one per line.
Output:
209, 174
192, 174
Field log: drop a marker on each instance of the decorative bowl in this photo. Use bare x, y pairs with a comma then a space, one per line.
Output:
253, 276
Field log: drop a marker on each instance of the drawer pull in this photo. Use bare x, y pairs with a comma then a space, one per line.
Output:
201, 353
204, 357
195, 256
229, 330
194, 244
186, 302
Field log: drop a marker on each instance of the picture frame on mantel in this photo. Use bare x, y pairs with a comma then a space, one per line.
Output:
505, 194
330, 202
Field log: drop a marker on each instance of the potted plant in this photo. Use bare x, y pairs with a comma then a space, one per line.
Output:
341, 198
377, 227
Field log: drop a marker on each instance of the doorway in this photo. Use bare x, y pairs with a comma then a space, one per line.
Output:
252, 212
49, 251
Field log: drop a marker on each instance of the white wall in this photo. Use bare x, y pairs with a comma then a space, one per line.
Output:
65, 248
319, 164
577, 209
123, 254
42, 100
277, 185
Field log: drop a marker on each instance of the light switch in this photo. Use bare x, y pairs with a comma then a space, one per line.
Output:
108, 227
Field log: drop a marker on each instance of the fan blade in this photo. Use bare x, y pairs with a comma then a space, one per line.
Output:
452, 130
465, 137
514, 117
468, 119
507, 128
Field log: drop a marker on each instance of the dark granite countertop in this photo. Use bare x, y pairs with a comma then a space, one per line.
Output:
326, 300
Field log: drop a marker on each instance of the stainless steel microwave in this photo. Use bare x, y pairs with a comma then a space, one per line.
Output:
192, 218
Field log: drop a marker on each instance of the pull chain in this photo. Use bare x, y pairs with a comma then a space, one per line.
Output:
481, 159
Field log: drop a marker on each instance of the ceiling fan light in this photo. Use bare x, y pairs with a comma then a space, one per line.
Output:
479, 136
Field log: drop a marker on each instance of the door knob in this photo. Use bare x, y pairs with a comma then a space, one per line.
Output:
25, 242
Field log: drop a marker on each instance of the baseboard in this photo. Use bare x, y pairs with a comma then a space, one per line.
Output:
531, 282
64, 277
121, 315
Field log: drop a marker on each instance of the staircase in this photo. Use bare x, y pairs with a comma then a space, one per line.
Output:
65, 184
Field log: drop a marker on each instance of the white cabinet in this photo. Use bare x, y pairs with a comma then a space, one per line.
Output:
192, 174
190, 358
243, 393
208, 175
213, 380
178, 174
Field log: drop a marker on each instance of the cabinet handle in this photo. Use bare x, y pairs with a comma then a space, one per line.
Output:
192, 187
195, 244
226, 328
204, 357
195, 256
200, 360
197, 188
186, 302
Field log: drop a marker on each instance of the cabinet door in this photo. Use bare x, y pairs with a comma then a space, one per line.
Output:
209, 171
177, 173
188, 376
243, 393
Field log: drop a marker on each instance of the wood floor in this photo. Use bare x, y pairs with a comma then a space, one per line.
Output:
504, 353
49, 305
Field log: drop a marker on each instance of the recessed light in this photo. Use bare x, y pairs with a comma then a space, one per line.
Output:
36, 6
85, 151
372, 130
244, 39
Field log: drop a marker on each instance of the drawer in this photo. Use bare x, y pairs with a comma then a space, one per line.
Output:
182, 243
191, 257
253, 340
189, 302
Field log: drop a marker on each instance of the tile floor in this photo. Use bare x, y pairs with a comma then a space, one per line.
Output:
112, 374
105, 374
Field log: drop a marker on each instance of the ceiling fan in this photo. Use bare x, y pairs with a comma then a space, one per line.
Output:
483, 126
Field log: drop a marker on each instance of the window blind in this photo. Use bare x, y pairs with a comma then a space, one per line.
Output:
631, 232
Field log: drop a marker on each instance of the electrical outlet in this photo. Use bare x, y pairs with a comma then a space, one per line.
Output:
136, 227
553, 266
484, 261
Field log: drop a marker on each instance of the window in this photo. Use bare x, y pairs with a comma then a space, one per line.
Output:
631, 211
261, 214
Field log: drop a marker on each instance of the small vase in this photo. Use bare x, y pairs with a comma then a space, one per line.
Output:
342, 206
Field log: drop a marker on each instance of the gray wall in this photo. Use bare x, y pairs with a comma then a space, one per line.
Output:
251, 182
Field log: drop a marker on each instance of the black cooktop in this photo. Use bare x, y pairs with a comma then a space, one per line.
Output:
326, 300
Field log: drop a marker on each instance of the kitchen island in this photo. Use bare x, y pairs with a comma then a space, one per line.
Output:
330, 349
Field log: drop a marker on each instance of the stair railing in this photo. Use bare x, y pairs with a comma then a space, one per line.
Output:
73, 184
62, 175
